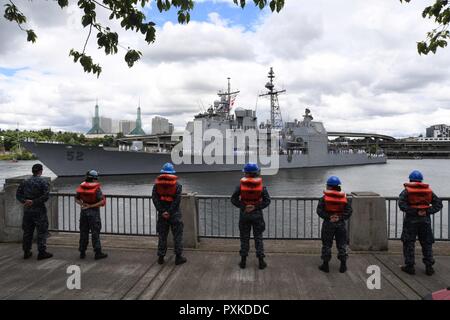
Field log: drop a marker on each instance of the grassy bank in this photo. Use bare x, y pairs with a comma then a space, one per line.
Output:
25, 155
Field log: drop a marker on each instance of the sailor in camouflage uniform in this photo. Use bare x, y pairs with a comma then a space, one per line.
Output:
418, 202
33, 193
166, 197
251, 197
334, 208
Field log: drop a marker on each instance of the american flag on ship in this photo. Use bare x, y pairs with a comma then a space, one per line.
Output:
232, 100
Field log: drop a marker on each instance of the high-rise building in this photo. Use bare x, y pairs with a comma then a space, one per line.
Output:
438, 131
115, 126
161, 125
126, 126
106, 124
138, 131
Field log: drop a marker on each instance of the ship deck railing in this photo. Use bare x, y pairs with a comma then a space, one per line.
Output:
287, 217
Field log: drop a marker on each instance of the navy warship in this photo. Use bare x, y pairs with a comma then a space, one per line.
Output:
278, 145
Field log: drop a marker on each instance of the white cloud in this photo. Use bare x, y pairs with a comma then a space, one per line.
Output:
354, 63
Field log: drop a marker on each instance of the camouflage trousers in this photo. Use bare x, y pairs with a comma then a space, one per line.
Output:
162, 227
90, 222
330, 231
35, 220
422, 230
248, 221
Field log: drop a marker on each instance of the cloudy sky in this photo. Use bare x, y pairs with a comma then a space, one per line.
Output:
353, 63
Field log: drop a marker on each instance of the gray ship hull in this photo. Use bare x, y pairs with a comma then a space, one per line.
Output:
68, 160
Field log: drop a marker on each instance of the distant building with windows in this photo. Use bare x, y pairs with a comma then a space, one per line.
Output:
438, 131
161, 125
106, 124
126, 126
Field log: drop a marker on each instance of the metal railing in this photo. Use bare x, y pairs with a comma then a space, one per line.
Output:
439, 221
122, 215
285, 218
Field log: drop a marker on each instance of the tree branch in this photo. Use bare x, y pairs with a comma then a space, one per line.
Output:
87, 39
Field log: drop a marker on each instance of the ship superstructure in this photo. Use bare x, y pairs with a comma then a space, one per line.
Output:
299, 144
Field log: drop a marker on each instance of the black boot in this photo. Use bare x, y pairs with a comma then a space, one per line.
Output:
44, 255
429, 270
82, 254
324, 267
179, 259
343, 267
27, 254
100, 255
262, 263
409, 269
161, 259
243, 262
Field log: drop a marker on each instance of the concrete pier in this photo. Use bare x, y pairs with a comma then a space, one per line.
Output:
131, 271
212, 273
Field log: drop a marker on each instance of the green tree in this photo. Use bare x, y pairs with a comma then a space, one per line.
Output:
439, 36
131, 15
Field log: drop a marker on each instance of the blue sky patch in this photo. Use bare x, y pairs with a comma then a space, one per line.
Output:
9, 72
235, 15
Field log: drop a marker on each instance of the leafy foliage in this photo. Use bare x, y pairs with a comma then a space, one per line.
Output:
438, 37
131, 15
9, 139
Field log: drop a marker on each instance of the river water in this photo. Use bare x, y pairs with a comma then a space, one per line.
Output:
385, 179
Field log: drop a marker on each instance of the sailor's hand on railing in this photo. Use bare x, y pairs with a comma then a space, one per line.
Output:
249, 208
166, 215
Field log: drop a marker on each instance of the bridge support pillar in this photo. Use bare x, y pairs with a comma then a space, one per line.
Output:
11, 211
368, 224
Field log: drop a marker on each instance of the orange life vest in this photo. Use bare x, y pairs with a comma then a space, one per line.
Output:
87, 192
335, 201
251, 191
166, 187
419, 195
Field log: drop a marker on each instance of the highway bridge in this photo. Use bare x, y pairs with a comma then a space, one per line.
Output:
375, 136
167, 137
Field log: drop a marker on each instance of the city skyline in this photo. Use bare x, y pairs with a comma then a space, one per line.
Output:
104, 125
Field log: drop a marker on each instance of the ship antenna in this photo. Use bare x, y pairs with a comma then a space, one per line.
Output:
276, 120
230, 96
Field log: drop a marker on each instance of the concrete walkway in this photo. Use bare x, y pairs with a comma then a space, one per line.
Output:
209, 274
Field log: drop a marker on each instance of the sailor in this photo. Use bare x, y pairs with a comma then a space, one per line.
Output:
251, 197
166, 197
334, 208
90, 198
33, 193
418, 202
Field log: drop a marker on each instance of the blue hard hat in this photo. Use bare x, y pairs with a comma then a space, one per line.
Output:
92, 174
251, 168
333, 181
168, 168
416, 176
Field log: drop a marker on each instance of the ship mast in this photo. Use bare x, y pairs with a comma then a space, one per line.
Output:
276, 121
230, 96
